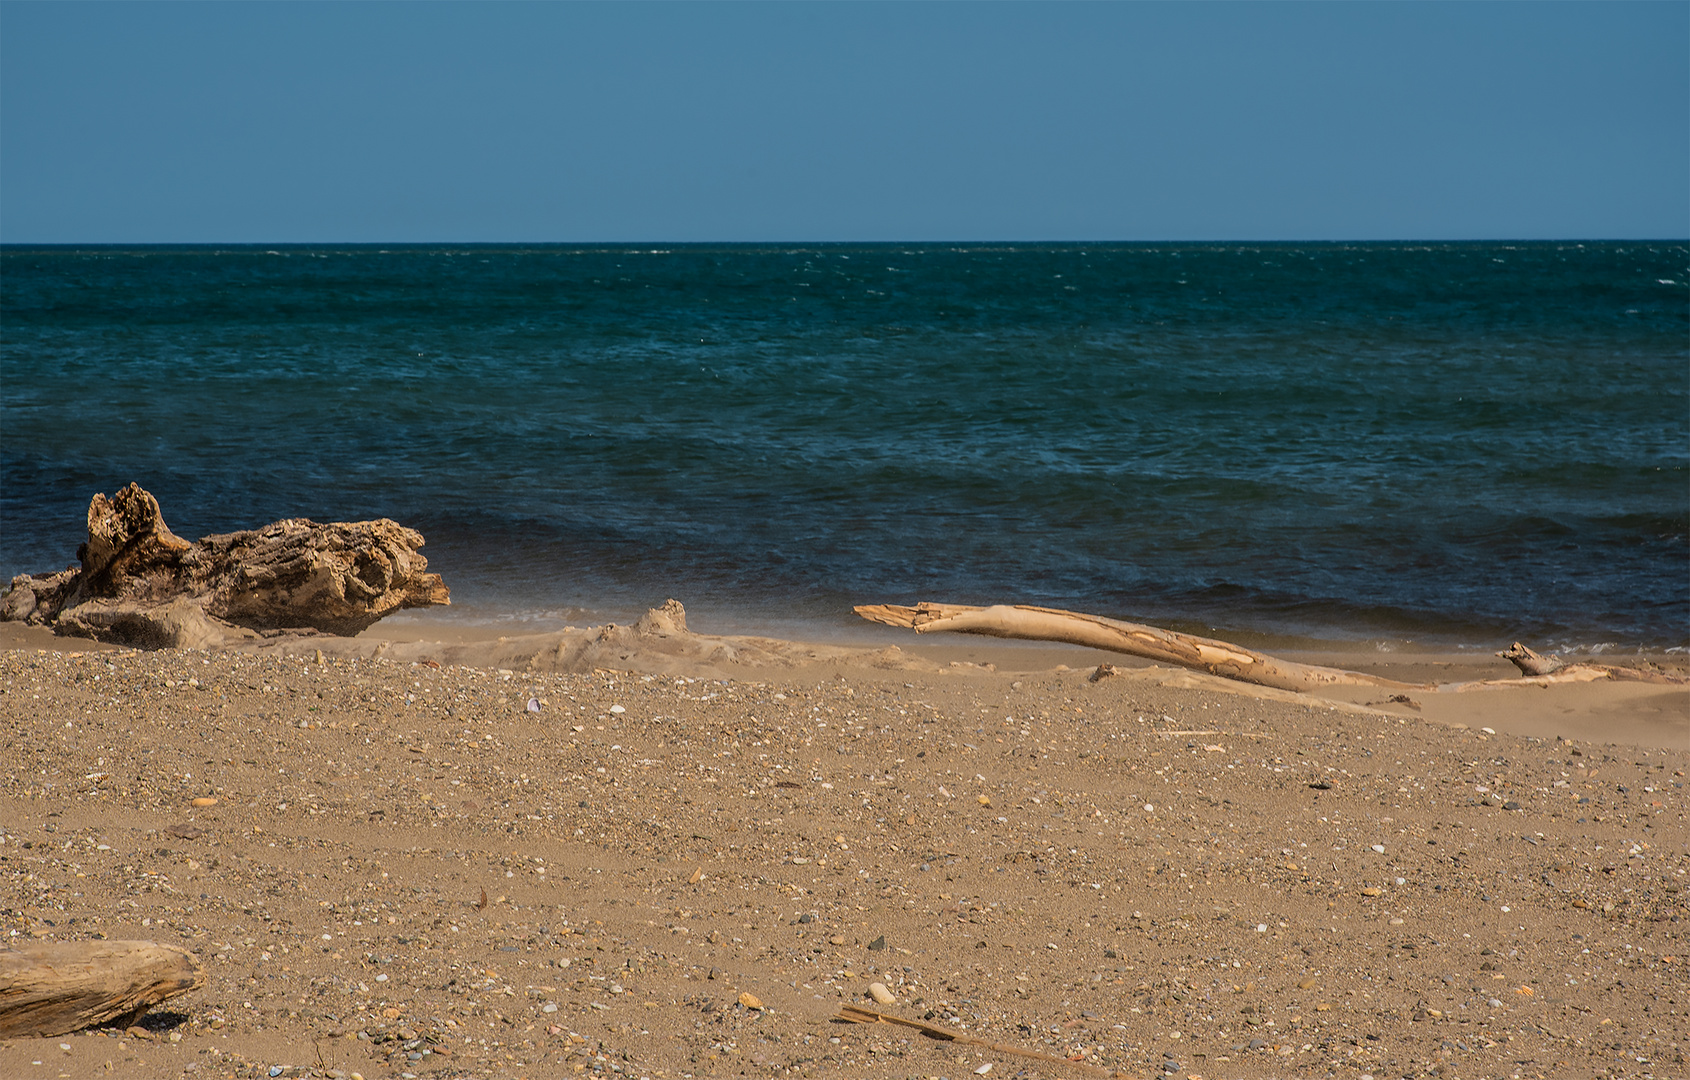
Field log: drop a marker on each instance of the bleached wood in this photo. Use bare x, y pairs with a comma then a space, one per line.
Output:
1152, 643
63, 987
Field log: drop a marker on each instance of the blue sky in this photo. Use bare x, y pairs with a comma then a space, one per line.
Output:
140, 122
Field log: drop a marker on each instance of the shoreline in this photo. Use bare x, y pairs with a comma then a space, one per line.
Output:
1622, 713
842, 627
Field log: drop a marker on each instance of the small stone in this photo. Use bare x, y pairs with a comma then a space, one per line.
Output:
837, 939
715, 973
1511, 805
750, 1000
1307, 984
984, 800
1372, 891
142, 1033
205, 800
806, 918
1380, 848
880, 993
878, 944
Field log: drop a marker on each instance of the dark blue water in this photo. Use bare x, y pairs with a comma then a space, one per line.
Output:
1448, 444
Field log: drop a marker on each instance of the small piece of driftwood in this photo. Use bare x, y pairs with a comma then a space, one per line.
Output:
55, 989
1530, 663
1541, 669
859, 1015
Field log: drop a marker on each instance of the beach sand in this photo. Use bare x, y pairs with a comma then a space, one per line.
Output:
656, 871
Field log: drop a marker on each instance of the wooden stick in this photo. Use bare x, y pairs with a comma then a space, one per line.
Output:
55, 989
1168, 646
858, 1015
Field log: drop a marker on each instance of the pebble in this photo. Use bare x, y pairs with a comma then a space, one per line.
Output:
1380, 848
1372, 891
750, 1000
878, 992
205, 800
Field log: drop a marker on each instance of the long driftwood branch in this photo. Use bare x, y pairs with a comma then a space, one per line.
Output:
140, 584
1168, 646
1221, 658
55, 989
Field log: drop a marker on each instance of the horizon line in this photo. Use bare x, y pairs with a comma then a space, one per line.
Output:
830, 243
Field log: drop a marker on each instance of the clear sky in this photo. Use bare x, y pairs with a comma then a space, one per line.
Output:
394, 122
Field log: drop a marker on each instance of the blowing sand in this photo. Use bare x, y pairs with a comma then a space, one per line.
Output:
447, 871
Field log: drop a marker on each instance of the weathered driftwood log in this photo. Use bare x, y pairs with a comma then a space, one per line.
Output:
54, 989
140, 584
1168, 646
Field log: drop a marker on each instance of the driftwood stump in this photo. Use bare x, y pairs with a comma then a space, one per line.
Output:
55, 989
142, 585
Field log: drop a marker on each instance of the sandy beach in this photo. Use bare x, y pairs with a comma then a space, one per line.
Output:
416, 866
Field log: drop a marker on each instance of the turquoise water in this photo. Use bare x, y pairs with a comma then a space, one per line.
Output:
1452, 444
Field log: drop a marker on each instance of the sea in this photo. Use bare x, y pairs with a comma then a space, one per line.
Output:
1389, 445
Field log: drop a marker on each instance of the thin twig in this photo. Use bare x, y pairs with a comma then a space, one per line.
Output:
858, 1015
